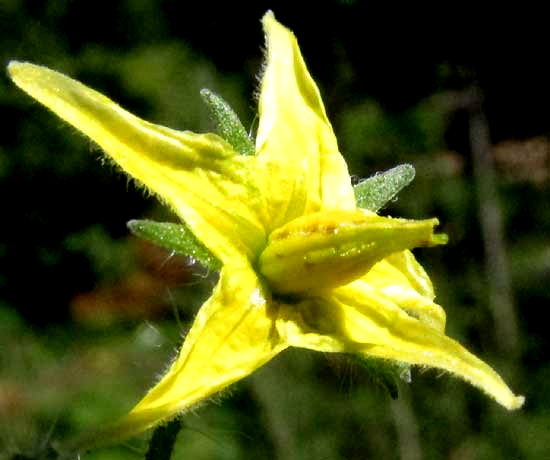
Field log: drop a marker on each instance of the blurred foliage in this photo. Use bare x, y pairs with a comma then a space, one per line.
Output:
89, 316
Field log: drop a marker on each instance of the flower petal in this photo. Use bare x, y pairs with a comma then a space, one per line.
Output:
298, 156
199, 175
358, 319
402, 279
232, 335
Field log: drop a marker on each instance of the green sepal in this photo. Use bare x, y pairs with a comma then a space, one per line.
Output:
373, 193
229, 126
385, 374
175, 237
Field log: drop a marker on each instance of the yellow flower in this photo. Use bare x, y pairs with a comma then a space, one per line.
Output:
302, 265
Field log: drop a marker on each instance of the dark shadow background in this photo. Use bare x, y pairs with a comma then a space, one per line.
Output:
86, 311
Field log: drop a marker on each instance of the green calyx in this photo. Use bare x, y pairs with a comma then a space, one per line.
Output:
174, 237
376, 191
384, 373
229, 126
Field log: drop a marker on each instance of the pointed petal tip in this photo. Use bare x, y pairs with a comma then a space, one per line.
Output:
268, 16
14, 63
516, 403
13, 68
16, 67
24, 74
270, 23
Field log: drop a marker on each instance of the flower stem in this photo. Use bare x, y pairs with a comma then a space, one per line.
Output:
163, 440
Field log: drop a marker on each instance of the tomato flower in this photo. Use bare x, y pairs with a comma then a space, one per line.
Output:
301, 264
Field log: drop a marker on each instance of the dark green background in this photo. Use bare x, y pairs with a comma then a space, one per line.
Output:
87, 312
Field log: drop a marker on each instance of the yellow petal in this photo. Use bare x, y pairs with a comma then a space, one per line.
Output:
232, 335
402, 279
298, 156
358, 319
199, 175
411, 272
